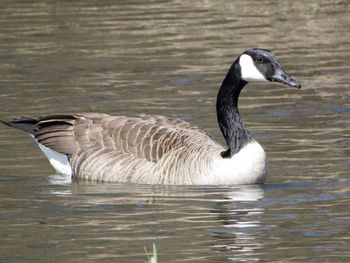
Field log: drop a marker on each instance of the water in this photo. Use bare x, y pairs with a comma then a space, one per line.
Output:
169, 57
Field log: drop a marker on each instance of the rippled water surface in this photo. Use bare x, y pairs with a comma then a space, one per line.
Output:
169, 57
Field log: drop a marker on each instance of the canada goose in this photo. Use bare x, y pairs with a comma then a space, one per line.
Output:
157, 149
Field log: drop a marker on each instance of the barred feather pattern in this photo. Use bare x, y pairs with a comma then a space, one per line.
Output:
146, 149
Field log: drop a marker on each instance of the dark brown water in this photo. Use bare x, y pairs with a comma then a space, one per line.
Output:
169, 57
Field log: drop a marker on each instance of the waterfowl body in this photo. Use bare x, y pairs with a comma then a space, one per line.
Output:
157, 149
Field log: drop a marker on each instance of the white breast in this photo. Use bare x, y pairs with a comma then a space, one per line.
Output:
248, 166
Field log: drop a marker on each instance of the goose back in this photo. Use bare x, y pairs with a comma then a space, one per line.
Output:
146, 149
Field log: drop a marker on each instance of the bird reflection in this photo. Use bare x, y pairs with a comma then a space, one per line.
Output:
239, 218
193, 220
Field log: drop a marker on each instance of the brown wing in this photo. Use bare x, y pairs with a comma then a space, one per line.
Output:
146, 137
67, 133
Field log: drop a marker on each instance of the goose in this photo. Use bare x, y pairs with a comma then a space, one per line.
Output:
153, 149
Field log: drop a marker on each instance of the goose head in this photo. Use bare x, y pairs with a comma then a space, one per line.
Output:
260, 65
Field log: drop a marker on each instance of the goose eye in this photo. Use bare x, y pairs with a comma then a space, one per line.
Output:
259, 59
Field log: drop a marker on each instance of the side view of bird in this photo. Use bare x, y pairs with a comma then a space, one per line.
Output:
153, 149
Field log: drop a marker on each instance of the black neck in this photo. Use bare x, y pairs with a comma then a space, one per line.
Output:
229, 119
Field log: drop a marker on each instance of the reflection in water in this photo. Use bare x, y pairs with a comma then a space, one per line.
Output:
93, 221
246, 193
230, 215
59, 179
240, 222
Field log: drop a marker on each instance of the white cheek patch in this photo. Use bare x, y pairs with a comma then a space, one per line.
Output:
248, 70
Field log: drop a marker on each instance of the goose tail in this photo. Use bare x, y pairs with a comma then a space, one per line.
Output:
58, 160
25, 124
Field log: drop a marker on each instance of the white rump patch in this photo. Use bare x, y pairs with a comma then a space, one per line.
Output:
249, 72
59, 161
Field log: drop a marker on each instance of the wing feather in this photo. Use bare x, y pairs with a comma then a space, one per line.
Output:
146, 137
